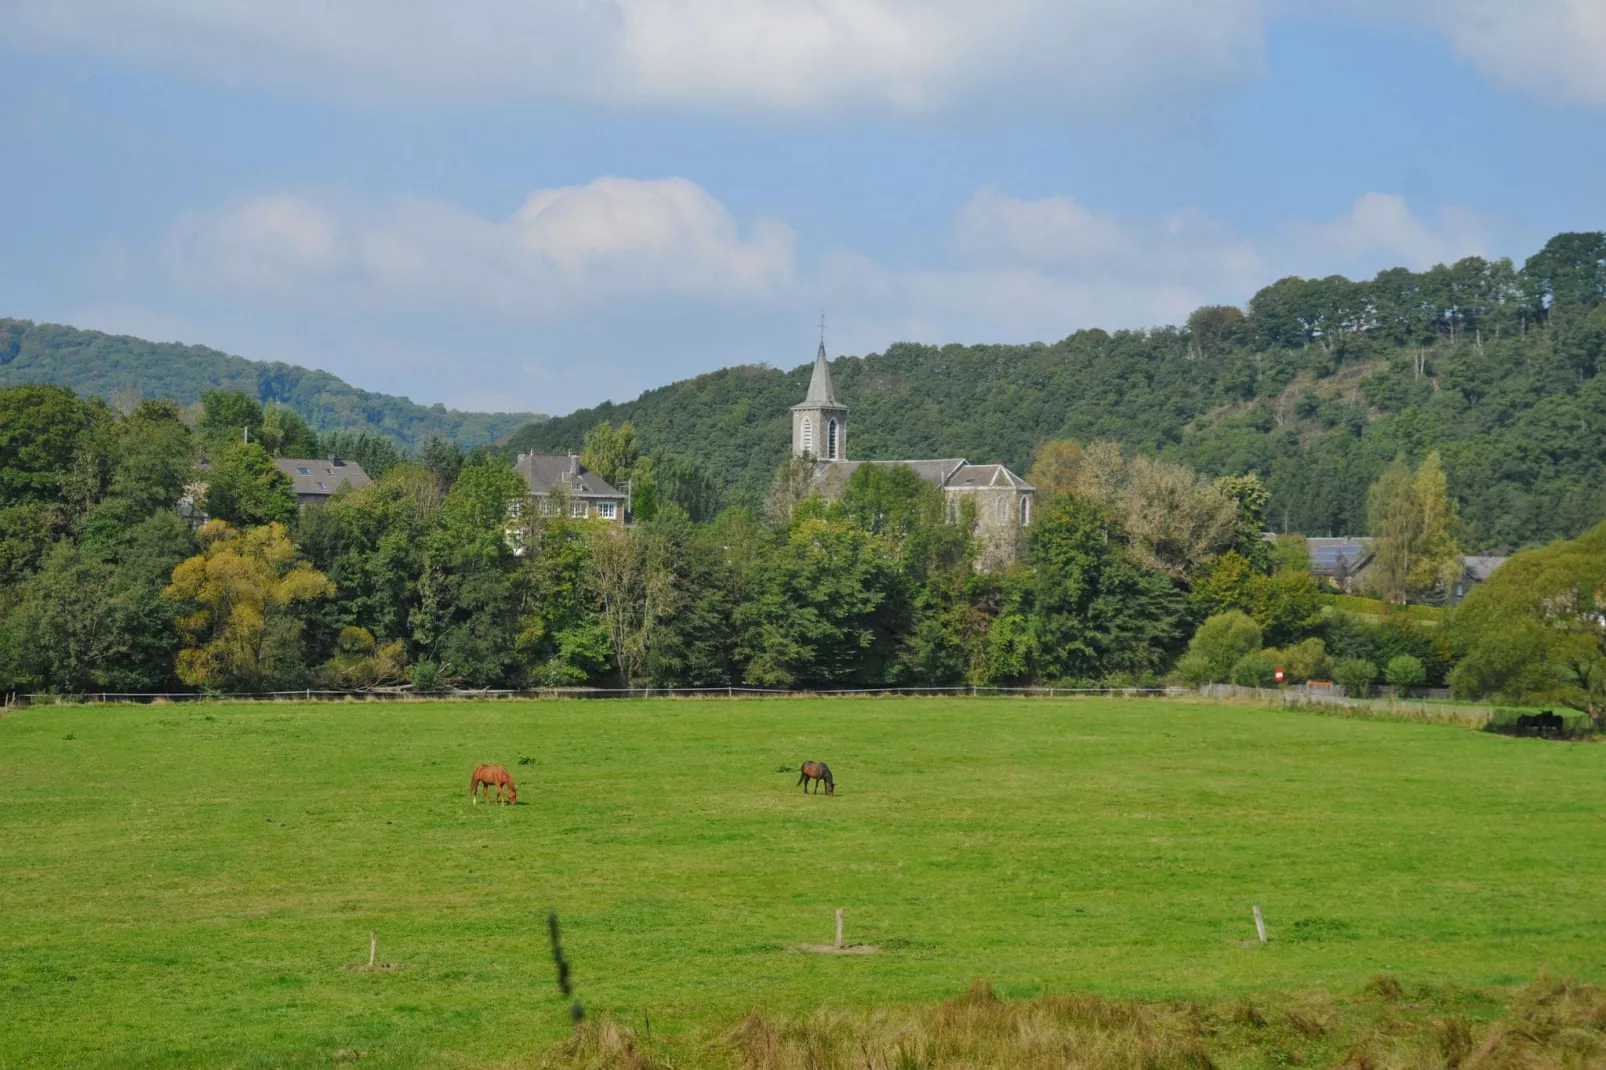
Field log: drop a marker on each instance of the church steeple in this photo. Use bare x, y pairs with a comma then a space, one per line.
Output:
820, 423
821, 390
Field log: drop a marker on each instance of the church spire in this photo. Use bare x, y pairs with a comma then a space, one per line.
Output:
821, 390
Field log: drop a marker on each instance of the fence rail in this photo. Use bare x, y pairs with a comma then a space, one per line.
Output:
399, 695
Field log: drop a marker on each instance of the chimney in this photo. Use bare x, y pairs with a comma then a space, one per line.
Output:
574, 463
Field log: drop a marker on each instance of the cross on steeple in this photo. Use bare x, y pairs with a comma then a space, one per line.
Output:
822, 328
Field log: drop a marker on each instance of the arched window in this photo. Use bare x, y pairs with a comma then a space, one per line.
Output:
1025, 509
808, 435
830, 440
1003, 510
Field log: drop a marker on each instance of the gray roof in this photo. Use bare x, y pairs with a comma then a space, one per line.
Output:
832, 476
543, 471
1479, 568
314, 478
1329, 557
821, 390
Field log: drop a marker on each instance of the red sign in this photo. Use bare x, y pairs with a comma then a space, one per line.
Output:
1279, 676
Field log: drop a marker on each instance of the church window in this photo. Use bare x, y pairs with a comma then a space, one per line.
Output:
1025, 510
1003, 510
830, 440
808, 435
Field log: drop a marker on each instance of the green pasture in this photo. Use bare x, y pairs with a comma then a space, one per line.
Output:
186, 885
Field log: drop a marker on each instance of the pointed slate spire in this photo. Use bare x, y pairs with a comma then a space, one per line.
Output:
821, 390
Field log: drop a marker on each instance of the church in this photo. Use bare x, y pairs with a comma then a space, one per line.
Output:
1004, 501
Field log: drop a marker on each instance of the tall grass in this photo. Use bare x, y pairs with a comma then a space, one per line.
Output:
1547, 1025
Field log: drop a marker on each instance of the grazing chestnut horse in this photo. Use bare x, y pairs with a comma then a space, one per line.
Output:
816, 771
489, 776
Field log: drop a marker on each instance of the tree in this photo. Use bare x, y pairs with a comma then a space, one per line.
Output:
238, 631
793, 484
1254, 669
1355, 676
1056, 467
1221, 640
1535, 631
228, 416
1095, 612
41, 427
1404, 672
821, 612
284, 433
610, 452
634, 581
246, 489
1411, 518
1175, 520
360, 663
1250, 497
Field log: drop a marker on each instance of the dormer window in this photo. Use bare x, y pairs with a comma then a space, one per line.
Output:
304, 471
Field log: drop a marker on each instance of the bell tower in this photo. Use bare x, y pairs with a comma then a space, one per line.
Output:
820, 423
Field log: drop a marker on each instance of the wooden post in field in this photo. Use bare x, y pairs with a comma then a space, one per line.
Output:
839, 928
373, 948
1260, 924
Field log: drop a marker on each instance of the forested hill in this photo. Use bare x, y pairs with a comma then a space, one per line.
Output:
1316, 385
114, 366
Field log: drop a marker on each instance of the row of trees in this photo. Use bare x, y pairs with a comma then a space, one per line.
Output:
1134, 570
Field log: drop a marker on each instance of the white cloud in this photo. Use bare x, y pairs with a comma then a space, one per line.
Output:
1040, 269
1552, 48
612, 239
921, 55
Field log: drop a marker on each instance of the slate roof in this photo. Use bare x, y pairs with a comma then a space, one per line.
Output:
311, 478
822, 392
832, 476
1329, 557
542, 471
1479, 568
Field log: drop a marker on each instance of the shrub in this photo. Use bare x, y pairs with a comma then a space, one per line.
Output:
426, 676
1306, 661
1224, 638
1404, 671
1194, 670
1355, 675
1254, 670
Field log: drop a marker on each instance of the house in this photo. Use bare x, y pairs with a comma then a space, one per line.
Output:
1344, 561
315, 481
1474, 570
1004, 502
559, 480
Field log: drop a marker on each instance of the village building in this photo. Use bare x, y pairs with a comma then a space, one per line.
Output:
1004, 502
558, 481
1346, 563
315, 481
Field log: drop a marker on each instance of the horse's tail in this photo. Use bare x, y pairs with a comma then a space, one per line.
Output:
473, 781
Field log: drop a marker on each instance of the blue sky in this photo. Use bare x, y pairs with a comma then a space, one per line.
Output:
540, 204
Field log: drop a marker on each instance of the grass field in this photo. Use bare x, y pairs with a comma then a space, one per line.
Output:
183, 885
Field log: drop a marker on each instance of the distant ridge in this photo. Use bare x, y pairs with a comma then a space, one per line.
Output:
112, 366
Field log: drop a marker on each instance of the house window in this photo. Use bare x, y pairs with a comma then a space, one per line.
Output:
830, 440
577, 509
608, 510
304, 471
1025, 510
546, 507
808, 435
1003, 510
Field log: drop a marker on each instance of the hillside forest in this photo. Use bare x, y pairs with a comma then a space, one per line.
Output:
1316, 386
123, 371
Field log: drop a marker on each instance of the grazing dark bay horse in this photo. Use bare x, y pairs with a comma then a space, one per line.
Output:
489, 776
819, 772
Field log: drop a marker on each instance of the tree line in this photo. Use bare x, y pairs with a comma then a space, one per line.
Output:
1136, 570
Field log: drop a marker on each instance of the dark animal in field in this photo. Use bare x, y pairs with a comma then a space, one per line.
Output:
818, 772
1546, 725
489, 776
